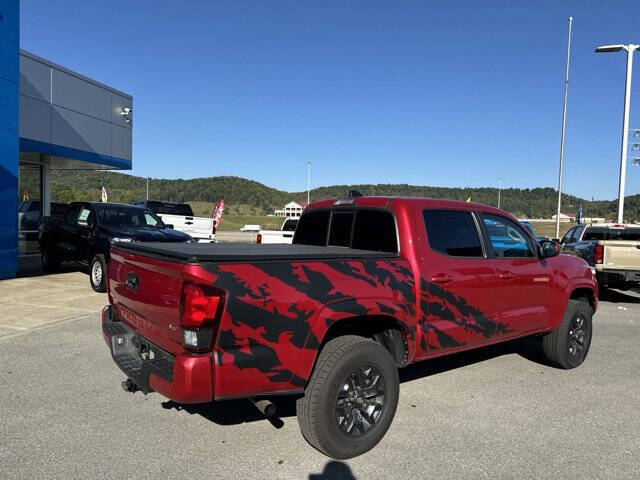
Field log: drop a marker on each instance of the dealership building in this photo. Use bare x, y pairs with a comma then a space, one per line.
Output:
50, 118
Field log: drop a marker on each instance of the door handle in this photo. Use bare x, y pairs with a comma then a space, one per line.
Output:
507, 276
441, 279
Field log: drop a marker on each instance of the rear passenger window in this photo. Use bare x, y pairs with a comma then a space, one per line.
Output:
312, 228
452, 233
341, 223
71, 214
375, 230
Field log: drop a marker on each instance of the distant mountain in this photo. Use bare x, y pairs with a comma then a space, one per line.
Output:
70, 185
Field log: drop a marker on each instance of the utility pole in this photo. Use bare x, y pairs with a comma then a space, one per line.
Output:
499, 188
308, 181
564, 125
147, 188
625, 118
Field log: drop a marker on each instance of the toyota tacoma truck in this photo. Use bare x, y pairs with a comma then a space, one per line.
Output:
86, 230
611, 249
369, 284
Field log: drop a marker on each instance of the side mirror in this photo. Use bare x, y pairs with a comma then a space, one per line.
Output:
168, 225
550, 249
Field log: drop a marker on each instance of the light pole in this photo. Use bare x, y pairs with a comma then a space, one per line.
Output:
308, 180
625, 118
147, 188
564, 125
499, 188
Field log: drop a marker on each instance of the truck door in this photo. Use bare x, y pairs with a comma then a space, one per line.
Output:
526, 282
84, 240
67, 232
459, 285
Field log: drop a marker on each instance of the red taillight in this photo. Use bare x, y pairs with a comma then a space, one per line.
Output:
199, 308
259, 238
598, 254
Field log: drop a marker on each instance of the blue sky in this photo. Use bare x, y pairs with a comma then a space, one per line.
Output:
428, 93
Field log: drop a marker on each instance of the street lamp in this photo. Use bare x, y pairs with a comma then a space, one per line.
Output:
625, 117
308, 181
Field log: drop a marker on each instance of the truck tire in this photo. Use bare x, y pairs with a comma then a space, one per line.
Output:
50, 263
567, 346
351, 397
98, 273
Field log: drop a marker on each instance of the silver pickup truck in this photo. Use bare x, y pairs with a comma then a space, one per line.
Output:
611, 249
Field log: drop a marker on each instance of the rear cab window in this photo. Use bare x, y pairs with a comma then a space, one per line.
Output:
363, 229
290, 225
608, 233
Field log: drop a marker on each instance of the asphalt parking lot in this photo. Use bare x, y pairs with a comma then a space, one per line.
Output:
491, 413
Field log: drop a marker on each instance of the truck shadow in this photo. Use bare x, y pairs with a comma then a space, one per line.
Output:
619, 296
334, 470
237, 411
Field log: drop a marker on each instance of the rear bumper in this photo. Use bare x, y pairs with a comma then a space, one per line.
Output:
182, 378
618, 277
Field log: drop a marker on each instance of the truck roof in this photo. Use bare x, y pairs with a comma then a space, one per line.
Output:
386, 201
614, 225
107, 204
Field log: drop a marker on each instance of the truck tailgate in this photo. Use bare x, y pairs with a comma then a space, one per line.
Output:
621, 254
146, 294
197, 227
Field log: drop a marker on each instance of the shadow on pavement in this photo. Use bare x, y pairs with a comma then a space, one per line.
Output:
529, 348
618, 296
334, 470
234, 412
31, 266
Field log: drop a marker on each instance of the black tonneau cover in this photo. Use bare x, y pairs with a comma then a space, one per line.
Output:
238, 252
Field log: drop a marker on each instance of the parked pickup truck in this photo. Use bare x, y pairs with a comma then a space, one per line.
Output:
180, 216
86, 230
370, 284
284, 235
611, 249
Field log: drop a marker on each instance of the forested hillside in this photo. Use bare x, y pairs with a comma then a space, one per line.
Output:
261, 199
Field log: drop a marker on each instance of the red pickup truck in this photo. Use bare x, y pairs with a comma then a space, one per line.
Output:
370, 284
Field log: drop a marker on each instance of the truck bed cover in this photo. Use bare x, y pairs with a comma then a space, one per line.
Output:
238, 252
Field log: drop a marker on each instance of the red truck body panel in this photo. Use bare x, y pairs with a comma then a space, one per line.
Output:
277, 313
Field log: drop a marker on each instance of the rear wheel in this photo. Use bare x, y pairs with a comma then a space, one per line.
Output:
568, 345
50, 263
98, 273
351, 398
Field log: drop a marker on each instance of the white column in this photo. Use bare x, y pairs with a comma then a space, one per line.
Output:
625, 132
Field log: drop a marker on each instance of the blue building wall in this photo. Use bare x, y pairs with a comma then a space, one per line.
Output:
9, 91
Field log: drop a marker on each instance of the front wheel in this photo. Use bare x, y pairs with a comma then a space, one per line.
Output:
567, 346
98, 273
351, 397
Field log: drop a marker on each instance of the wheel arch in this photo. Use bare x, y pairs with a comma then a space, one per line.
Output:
585, 294
387, 330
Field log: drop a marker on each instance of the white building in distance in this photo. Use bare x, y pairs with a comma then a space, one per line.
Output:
291, 209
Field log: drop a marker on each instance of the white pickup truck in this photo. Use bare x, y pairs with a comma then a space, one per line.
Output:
284, 235
181, 217
611, 249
